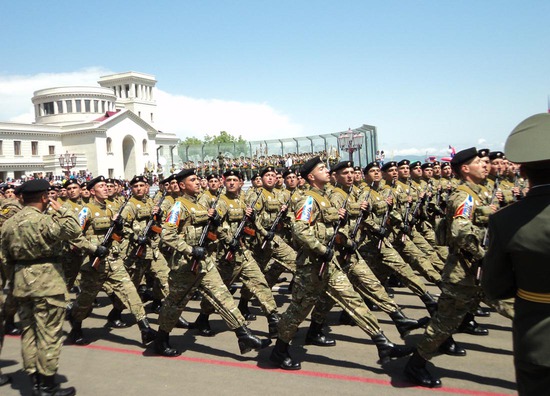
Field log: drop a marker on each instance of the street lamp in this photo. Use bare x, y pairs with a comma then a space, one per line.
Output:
350, 142
67, 161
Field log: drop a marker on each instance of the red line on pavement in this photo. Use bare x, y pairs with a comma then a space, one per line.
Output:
339, 377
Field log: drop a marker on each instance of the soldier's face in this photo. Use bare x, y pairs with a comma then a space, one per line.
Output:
191, 185
291, 181
280, 180
100, 191
447, 171
53, 194
257, 182
373, 175
63, 193
345, 176
403, 171
269, 179
232, 184
320, 174
428, 173
357, 175
174, 186
497, 166
391, 173
84, 193
139, 189
204, 183
73, 191
475, 170
10, 193
487, 165
416, 171
214, 184
437, 170
111, 189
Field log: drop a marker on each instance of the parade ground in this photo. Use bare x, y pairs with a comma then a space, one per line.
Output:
116, 364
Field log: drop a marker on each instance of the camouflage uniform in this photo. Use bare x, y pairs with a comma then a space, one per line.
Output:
31, 243
72, 257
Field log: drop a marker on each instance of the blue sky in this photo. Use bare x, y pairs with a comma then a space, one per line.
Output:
426, 73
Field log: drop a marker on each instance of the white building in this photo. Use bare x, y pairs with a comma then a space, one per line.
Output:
109, 129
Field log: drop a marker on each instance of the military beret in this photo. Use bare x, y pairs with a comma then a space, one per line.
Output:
370, 165
493, 155
255, 175
84, 184
309, 165
54, 187
427, 165
529, 140
483, 153
415, 164
110, 180
288, 171
70, 181
168, 179
137, 179
185, 173
279, 170
404, 162
96, 180
436, 163
17, 190
267, 169
34, 186
357, 168
232, 172
464, 156
445, 164
390, 164
211, 176
342, 165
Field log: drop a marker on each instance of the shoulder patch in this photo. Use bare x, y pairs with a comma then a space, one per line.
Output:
175, 214
465, 208
304, 213
82, 216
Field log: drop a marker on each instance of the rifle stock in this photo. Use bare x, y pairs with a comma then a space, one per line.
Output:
146, 234
240, 228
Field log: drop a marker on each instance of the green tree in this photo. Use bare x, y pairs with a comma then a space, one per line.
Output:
223, 137
189, 141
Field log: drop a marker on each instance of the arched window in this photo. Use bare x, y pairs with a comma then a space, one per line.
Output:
109, 145
144, 146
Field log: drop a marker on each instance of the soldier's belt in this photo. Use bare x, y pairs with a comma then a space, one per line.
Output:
543, 298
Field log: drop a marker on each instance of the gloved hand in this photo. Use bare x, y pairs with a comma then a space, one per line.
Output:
351, 246
270, 235
234, 245
119, 222
198, 252
101, 252
406, 229
327, 256
141, 240
414, 221
382, 233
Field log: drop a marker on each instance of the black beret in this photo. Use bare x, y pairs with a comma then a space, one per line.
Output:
84, 184
357, 168
137, 179
185, 173
96, 180
288, 171
267, 169
70, 181
211, 176
34, 186
493, 155
168, 179
232, 172
390, 164
404, 162
255, 175
370, 165
464, 156
342, 165
17, 190
55, 187
427, 165
445, 164
415, 164
483, 153
310, 164
110, 180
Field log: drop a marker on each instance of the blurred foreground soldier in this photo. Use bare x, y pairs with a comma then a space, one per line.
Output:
31, 243
318, 271
516, 264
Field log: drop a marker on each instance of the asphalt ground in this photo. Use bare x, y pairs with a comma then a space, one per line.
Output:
116, 364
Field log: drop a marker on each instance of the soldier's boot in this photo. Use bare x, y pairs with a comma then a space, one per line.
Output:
346, 319
482, 312
470, 326
248, 341
148, 335
272, 325
451, 348
162, 345
430, 303
281, 357
372, 306
114, 319
155, 306
387, 350
9, 326
404, 324
202, 325
35, 380
243, 307
48, 387
418, 374
316, 336
76, 336
182, 323
4, 379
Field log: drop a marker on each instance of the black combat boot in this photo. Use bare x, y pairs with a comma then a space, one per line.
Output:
451, 348
388, 350
470, 326
202, 325
430, 303
482, 312
346, 319
148, 335
248, 341
4, 379
114, 319
182, 323
162, 345
315, 336
282, 358
418, 374
48, 387
35, 380
404, 325
272, 324
76, 336
155, 306
9, 326
243, 307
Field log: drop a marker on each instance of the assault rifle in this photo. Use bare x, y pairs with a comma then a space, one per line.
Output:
149, 227
330, 244
382, 231
493, 196
358, 222
111, 234
418, 206
278, 219
407, 212
206, 230
239, 231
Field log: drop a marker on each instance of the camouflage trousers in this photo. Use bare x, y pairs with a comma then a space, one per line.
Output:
71, 261
42, 337
182, 284
365, 283
388, 261
454, 303
114, 276
309, 287
418, 259
157, 267
244, 268
427, 231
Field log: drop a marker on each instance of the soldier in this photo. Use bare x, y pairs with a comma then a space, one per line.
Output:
31, 243
318, 272
193, 267
460, 292
516, 263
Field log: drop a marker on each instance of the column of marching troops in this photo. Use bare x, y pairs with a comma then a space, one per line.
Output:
345, 234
